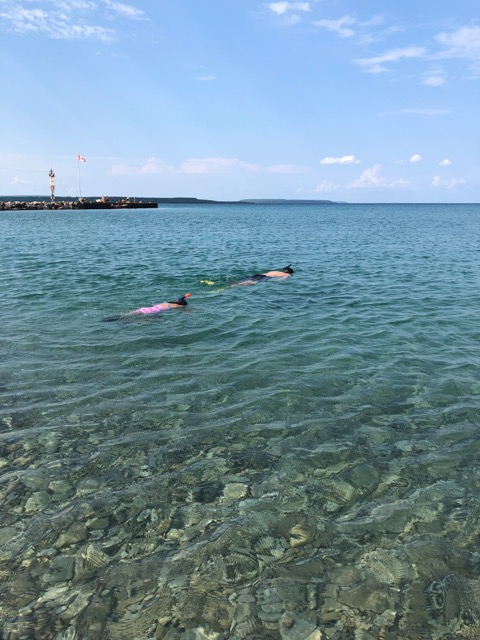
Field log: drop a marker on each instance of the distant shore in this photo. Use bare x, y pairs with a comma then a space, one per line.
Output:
42, 203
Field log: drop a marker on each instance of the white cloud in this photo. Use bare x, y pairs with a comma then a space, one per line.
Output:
340, 160
376, 64
154, 166
462, 43
281, 8
54, 24
206, 78
79, 31
75, 5
434, 79
415, 158
125, 10
450, 183
374, 21
23, 20
63, 19
340, 26
372, 178
445, 163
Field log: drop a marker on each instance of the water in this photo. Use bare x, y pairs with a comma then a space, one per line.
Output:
292, 458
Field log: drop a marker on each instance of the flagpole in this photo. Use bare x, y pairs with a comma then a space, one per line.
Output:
79, 183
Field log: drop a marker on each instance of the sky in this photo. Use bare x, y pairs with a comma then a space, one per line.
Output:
338, 100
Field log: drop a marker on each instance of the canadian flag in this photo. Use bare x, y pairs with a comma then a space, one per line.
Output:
81, 158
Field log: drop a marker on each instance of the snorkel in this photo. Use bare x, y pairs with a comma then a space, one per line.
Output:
288, 269
182, 301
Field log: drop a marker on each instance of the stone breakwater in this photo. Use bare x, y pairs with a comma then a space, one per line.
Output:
43, 205
18, 205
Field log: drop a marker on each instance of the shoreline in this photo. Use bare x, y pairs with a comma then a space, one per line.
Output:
39, 203
44, 203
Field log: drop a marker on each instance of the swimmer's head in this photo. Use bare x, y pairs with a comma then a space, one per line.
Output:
182, 301
288, 269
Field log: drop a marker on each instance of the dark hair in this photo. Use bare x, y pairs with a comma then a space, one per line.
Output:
181, 301
288, 269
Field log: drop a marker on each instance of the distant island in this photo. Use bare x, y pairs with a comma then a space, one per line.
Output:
286, 201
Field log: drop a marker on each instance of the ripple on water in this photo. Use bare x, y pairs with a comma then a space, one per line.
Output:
293, 459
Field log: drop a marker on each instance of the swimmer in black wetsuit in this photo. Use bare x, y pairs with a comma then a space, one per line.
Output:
286, 272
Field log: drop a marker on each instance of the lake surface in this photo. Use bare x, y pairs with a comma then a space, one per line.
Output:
295, 459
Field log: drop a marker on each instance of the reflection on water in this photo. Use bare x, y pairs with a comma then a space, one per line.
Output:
292, 460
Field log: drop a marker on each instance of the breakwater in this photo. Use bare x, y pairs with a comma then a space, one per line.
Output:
44, 205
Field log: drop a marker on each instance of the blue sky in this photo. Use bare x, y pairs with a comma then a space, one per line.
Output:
232, 99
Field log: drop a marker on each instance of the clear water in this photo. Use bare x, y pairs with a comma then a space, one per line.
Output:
318, 433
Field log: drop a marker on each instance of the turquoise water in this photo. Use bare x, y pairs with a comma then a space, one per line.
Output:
274, 461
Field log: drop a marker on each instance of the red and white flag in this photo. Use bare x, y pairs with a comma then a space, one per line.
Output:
81, 158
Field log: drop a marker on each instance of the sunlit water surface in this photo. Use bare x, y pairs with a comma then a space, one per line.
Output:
296, 459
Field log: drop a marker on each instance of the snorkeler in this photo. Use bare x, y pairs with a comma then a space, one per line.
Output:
286, 272
157, 308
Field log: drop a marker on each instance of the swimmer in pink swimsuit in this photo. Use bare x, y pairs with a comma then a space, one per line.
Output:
157, 308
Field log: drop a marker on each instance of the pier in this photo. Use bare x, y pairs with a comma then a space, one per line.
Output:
81, 203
